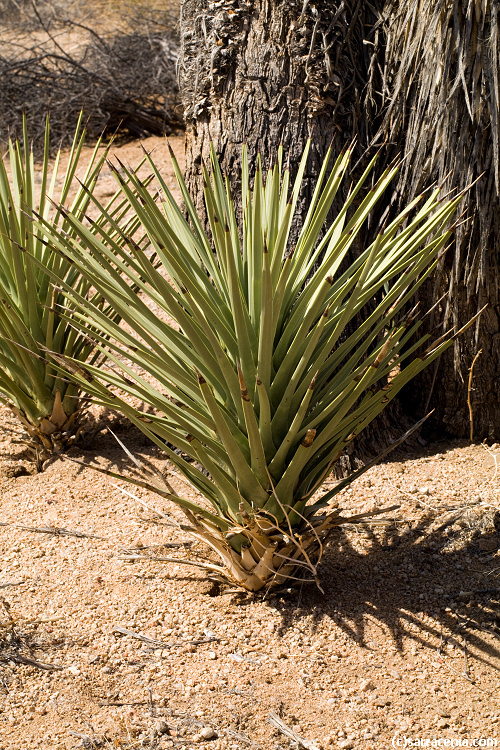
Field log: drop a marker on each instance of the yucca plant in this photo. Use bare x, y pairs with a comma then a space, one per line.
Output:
31, 274
262, 382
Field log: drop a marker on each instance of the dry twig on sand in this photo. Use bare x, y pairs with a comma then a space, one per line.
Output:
14, 642
279, 724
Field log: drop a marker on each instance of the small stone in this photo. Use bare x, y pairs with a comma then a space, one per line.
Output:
366, 685
394, 673
208, 733
161, 727
74, 670
487, 544
15, 471
197, 738
211, 655
424, 491
346, 745
442, 724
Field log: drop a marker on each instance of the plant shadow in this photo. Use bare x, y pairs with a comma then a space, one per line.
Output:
104, 447
424, 583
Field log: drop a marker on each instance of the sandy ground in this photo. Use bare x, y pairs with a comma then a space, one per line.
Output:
109, 652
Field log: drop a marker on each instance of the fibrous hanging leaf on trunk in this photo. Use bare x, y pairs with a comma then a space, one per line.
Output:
441, 105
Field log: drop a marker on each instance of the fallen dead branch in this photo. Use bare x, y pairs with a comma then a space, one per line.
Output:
14, 642
162, 644
21, 659
279, 724
11, 583
57, 531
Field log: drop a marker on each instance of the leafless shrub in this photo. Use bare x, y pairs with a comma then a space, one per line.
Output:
15, 11
123, 80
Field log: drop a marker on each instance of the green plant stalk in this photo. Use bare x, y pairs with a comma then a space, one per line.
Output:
263, 378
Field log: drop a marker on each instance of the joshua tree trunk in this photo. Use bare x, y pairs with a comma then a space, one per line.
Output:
448, 387
270, 72
442, 70
422, 77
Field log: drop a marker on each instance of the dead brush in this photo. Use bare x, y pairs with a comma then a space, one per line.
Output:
57, 59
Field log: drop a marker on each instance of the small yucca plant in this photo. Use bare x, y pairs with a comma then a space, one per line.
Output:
31, 274
261, 381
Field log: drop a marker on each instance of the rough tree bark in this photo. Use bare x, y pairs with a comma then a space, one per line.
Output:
266, 72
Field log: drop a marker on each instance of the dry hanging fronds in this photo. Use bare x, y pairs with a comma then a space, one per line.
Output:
441, 111
441, 91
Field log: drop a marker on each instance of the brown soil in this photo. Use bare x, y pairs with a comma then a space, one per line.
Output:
403, 640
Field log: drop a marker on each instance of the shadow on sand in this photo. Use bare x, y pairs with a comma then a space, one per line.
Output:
423, 582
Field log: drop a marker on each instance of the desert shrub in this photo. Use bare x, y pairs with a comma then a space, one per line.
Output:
262, 383
33, 314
